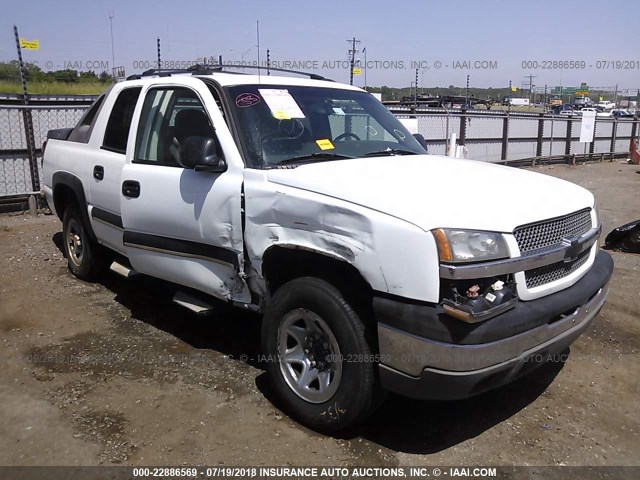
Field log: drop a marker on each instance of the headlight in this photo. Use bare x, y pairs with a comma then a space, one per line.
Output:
459, 246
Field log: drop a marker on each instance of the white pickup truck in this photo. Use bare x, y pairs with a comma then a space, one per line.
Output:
606, 105
377, 267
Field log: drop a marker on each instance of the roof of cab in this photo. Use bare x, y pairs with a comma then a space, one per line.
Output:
227, 79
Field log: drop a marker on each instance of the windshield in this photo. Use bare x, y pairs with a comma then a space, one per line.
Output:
284, 125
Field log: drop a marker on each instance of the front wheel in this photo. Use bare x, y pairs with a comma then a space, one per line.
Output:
319, 361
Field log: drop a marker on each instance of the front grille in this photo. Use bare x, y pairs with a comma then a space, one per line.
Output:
551, 232
555, 271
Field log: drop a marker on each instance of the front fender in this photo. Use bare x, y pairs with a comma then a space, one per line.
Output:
392, 255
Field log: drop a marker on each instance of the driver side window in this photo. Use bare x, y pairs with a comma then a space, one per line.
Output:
169, 116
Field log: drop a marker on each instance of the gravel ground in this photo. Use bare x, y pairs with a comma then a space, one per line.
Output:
114, 373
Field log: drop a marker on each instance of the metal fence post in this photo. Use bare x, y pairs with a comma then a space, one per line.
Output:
31, 147
593, 142
27, 119
463, 126
567, 145
540, 134
505, 136
614, 132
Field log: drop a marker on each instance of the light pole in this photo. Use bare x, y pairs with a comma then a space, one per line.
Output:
422, 78
364, 50
113, 55
245, 52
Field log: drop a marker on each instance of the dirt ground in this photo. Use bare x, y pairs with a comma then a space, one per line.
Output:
113, 372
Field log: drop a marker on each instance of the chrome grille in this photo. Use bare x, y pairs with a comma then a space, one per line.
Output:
555, 271
551, 232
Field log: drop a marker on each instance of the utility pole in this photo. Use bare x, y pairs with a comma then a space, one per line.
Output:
510, 94
531, 77
415, 97
352, 57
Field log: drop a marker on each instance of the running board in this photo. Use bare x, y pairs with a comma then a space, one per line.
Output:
194, 304
120, 269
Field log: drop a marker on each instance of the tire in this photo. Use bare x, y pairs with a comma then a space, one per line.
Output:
86, 259
337, 391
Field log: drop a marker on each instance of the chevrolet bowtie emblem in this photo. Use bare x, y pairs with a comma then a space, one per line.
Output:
573, 248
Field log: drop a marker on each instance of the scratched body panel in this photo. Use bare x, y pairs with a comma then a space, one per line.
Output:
278, 215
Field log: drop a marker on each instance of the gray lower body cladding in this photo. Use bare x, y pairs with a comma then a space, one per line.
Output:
425, 354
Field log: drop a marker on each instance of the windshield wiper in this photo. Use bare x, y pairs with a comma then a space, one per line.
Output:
390, 151
313, 157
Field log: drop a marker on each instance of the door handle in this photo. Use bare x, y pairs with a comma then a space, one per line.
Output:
98, 172
131, 188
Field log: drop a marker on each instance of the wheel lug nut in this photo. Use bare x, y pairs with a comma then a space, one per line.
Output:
313, 363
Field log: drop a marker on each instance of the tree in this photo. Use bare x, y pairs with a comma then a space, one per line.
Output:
104, 77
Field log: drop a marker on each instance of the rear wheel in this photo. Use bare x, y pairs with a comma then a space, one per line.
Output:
86, 259
319, 361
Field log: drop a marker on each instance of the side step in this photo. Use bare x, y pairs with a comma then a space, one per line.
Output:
194, 304
124, 270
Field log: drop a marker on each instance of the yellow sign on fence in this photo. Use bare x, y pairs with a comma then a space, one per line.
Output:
357, 71
29, 44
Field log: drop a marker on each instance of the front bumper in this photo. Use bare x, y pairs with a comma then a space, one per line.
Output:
426, 354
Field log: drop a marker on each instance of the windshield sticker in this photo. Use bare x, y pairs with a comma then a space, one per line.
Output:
338, 111
400, 134
325, 144
247, 100
371, 131
282, 105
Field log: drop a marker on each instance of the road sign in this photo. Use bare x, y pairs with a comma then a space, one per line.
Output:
29, 44
569, 90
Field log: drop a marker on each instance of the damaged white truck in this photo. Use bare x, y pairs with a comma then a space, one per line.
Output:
377, 267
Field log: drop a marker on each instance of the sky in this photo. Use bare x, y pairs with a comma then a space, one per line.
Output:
487, 40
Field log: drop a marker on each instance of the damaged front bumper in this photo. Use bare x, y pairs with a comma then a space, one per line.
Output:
429, 355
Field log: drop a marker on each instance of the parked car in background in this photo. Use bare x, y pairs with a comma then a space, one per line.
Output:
598, 111
606, 105
620, 113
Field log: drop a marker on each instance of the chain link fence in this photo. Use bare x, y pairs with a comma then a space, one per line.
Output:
23, 129
490, 136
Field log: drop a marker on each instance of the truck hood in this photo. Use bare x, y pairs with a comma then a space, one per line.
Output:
433, 191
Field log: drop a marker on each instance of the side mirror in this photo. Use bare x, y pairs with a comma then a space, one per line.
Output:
201, 154
421, 140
